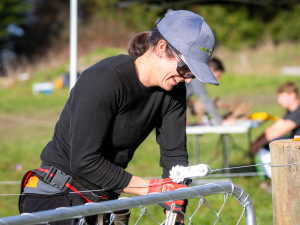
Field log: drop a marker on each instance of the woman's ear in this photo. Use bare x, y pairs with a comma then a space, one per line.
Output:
161, 48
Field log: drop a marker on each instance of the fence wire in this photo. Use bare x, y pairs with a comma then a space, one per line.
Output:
79, 212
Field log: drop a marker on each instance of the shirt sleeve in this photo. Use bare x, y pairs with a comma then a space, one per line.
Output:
171, 133
94, 104
199, 89
293, 116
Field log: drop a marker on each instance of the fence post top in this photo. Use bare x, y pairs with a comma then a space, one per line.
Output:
284, 142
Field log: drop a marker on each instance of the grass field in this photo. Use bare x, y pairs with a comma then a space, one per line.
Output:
27, 123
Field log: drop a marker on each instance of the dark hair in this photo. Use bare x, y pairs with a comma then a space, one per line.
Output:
139, 44
288, 87
215, 64
142, 41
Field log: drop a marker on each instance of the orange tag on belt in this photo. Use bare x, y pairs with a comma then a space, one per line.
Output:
32, 182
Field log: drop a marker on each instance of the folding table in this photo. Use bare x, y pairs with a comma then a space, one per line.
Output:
241, 126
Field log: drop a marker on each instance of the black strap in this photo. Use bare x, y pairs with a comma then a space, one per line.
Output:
57, 178
53, 176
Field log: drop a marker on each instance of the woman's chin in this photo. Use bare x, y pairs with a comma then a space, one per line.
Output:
168, 87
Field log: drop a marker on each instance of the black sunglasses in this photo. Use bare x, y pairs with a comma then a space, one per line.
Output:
182, 69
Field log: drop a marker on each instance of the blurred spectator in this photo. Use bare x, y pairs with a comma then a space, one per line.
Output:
64, 81
288, 98
204, 102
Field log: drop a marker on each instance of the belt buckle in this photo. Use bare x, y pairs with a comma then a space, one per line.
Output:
48, 176
58, 178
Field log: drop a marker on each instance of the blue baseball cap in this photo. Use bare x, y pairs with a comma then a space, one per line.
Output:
192, 37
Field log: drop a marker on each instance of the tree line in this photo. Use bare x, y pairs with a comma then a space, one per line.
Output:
30, 27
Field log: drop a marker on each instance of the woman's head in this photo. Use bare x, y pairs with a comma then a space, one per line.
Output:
172, 68
183, 38
192, 37
141, 42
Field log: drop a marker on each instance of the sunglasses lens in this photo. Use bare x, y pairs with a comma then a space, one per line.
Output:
182, 69
190, 76
185, 72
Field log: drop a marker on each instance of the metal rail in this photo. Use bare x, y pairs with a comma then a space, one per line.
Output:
135, 202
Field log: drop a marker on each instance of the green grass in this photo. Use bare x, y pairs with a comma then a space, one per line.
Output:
22, 143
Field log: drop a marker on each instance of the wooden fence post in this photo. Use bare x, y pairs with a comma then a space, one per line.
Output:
285, 182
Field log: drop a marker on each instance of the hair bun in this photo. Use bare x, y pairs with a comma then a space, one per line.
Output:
139, 44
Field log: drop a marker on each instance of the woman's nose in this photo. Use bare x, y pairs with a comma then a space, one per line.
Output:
188, 80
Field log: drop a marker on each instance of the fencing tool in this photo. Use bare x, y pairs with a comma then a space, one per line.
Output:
181, 174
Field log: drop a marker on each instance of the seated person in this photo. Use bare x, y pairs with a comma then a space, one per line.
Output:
198, 88
287, 96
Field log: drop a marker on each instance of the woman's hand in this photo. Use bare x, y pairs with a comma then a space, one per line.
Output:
163, 185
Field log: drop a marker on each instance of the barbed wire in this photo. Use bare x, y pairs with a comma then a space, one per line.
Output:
261, 164
147, 185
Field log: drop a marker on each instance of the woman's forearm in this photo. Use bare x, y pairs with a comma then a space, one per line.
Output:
137, 186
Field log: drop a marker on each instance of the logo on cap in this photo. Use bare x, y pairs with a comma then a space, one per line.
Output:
209, 51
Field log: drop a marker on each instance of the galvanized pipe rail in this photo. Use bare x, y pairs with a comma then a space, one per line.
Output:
89, 209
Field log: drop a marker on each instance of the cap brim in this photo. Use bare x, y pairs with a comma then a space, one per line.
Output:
201, 71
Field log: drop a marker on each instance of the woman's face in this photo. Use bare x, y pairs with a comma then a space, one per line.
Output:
167, 76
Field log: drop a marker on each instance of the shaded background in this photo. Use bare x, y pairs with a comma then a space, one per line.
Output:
32, 31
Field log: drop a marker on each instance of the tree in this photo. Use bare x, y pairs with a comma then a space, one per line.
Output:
12, 12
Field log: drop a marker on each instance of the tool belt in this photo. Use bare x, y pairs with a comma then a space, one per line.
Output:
57, 178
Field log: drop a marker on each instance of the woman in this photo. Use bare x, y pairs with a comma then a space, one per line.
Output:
113, 107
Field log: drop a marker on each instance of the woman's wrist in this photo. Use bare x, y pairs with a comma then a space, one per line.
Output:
137, 186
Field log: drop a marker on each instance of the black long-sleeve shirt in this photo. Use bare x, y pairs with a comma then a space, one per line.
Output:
108, 115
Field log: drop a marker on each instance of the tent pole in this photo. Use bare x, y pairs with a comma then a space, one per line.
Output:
73, 42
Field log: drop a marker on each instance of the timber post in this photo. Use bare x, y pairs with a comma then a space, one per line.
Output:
285, 182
